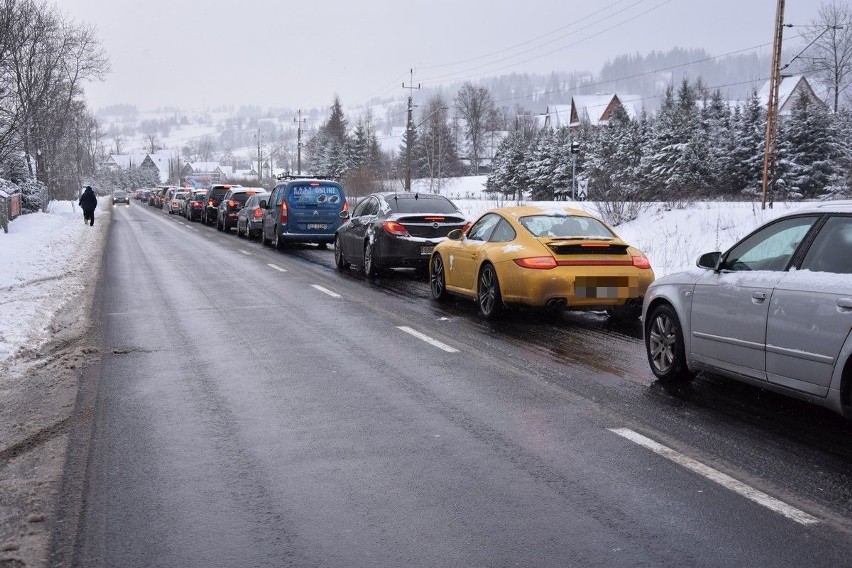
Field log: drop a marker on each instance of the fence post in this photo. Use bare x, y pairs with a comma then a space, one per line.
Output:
4, 210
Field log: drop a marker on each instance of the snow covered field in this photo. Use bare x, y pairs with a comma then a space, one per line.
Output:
40, 256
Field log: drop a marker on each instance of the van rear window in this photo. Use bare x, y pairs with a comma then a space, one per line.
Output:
315, 195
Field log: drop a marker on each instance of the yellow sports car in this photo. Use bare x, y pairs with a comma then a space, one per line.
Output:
543, 257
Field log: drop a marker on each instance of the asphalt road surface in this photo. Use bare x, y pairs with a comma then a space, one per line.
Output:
260, 408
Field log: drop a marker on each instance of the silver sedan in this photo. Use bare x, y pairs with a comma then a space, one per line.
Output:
775, 311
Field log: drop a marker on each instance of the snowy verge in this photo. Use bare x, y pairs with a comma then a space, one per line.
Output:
45, 262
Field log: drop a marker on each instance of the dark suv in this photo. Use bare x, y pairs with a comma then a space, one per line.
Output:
211, 203
230, 205
303, 210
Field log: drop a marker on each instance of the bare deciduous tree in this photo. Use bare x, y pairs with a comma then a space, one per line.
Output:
829, 57
475, 105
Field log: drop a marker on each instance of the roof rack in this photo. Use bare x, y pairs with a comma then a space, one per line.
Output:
283, 176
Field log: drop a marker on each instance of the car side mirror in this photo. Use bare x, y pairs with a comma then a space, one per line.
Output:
709, 260
262, 204
343, 214
455, 235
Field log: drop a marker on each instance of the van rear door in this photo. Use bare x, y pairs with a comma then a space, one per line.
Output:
314, 207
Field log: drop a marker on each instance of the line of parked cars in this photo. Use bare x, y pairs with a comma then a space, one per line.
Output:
775, 310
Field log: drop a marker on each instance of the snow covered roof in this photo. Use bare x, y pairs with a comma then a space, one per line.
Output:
204, 166
126, 161
557, 115
597, 108
788, 91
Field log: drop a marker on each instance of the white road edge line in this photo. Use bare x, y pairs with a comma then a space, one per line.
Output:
722, 479
427, 339
326, 291
245, 252
276, 267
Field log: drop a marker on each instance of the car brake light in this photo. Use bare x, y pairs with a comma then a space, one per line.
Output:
467, 226
258, 213
537, 262
641, 262
232, 203
433, 218
394, 228
283, 211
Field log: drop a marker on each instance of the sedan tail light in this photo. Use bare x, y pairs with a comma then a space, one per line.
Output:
258, 213
395, 229
537, 262
232, 203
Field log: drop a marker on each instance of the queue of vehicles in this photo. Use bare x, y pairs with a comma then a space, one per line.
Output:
775, 310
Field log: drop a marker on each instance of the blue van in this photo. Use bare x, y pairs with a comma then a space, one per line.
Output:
303, 210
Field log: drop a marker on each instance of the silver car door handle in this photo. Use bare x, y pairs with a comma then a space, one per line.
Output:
844, 304
759, 296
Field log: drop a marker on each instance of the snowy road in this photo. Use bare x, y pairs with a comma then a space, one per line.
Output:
258, 408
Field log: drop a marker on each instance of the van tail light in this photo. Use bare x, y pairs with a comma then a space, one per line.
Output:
395, 229
537, 262
641, 262
283, 211
258, 213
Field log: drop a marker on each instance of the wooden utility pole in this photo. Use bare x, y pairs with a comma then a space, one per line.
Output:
772, 106
299, 121
409, 130
259, 158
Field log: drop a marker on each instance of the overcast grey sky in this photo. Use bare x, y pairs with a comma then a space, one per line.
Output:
205, 53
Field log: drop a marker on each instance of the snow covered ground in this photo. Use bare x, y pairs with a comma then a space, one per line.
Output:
40, 270
40, 256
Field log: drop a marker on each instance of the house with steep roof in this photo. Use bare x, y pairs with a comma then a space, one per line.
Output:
161, 162
595, 110
200, 174
789, 91
125, 161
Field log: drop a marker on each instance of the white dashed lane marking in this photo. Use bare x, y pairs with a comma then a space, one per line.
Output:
276, 267
245, 252
722, 479
326, 291
427, 339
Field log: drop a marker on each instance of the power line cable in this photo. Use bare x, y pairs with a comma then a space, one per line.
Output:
444, 78
529, 41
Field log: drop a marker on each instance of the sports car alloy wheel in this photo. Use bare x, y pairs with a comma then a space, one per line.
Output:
436, 278
488, 293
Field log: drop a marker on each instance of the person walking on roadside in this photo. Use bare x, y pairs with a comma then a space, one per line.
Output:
88, 202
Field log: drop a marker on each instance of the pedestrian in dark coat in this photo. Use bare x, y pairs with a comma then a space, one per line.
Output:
88, 202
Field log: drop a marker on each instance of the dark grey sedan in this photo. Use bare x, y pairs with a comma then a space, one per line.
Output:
250, 217
775, 311
395, 229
